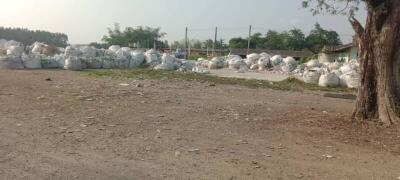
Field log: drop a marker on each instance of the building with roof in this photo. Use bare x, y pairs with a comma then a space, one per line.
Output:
341, 53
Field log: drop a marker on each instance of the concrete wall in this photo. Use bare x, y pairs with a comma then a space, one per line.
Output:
343, 56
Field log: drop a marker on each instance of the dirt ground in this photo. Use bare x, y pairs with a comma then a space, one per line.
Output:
76, 127
265, 75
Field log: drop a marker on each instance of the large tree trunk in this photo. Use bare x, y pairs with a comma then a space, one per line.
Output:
379, 56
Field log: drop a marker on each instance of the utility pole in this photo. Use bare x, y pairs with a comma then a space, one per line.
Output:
190, 49
215, 40
221, 48
248, 42
186, 43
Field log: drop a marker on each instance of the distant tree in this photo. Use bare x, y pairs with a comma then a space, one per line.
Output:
177, 45
296, 40
275, 40
209, 43
319, 37
196, 44
165, 44
257, 41
293, 39
221, 44
238, 43
99, 45
28, 37
143, 37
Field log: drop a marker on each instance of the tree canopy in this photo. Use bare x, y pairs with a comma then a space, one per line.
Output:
319, 37
198, 44
28, 37
238, 43
342, 7
294, 39
141, 37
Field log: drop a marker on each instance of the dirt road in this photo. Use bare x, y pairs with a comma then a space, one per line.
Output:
61, 125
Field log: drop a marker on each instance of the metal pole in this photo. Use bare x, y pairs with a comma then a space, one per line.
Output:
186, 43
190, 47
220, 52
215, 40
248, 42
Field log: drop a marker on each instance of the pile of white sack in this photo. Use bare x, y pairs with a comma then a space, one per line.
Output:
313, 72
13, 55
264, 61
253, 62
333, 74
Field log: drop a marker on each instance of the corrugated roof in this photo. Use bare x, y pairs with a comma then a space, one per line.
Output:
333, 49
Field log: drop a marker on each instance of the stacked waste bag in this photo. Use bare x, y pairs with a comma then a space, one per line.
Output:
333, 74
14, 55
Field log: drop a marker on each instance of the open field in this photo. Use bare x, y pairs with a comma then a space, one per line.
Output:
159, 125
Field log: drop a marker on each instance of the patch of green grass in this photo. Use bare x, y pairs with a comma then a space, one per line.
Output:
288, 84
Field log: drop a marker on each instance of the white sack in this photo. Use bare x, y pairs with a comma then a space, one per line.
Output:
32, 61
73, 63
329, 80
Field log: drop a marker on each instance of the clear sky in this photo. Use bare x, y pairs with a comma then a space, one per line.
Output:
86, 20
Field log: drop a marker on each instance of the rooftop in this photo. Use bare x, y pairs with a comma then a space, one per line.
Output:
333, 49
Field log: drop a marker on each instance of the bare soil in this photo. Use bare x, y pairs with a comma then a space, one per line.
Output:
62, 125
259, 75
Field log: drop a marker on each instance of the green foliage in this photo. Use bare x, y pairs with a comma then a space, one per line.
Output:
296, 40
256, 41
198, 44
28, 37
319, 37
99, 45
293, 39
177, 45
221, 44
275, 40
342, 7
141, 37
238, 43
209, 43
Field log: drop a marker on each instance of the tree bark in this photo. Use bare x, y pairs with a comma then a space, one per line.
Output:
379, 57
